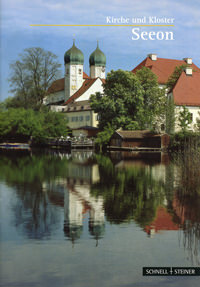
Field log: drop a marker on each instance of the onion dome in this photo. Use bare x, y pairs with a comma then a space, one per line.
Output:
74, 56
97, 58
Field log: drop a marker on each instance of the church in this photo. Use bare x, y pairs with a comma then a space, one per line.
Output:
71, 94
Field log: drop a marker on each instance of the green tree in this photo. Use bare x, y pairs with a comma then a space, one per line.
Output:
130, 101
31, 77
121, 105
155, 101
174, 77
198, 123
104, 136
23, 124
184, 119
170, 115
128, 193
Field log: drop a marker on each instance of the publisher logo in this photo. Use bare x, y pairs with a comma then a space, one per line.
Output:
171, 271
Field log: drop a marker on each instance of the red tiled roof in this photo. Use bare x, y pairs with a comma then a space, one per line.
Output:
85, 76
59, 85
187, 90
56, 86
134, 134
162, 68
86, 85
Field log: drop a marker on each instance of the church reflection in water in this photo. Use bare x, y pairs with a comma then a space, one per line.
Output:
86, 193
78, 202
101, 186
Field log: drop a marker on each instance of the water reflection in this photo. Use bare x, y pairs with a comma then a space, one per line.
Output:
84, 192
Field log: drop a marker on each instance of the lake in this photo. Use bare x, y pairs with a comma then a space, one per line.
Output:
82, 219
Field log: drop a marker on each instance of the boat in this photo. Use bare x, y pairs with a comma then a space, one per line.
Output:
18, 146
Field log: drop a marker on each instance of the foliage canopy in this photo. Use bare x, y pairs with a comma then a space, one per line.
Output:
174, 77
130, 101
31, 77
23, 124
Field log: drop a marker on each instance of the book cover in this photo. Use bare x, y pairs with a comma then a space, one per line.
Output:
79, 219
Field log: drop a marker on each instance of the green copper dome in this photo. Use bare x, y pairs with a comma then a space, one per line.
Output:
97, 58
74, 56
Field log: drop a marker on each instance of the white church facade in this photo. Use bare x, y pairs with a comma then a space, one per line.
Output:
71, 94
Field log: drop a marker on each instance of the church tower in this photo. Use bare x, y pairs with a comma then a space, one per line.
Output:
73, 60
97, 62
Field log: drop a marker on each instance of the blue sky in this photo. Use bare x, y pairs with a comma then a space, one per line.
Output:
121, 51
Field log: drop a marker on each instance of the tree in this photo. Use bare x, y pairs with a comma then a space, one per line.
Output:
121, 105
184, 119
170, 115
21, 124
174, 77
155, 101
31, 77
130, 101
126, 192
198, 123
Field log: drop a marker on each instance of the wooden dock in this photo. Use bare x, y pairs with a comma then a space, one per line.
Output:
71, 144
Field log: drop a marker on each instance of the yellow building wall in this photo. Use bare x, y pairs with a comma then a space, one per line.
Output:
79, 119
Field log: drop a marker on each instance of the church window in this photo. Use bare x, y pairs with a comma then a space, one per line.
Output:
79, 71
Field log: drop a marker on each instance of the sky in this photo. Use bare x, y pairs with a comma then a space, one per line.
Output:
116, 42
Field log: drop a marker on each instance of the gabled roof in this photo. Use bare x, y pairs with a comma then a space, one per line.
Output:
187, 90
59, 85
162, 68
56, 86
85, 76
134, 134
86, 85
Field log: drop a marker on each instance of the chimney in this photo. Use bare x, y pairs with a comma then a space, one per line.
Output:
188, 71
153, 57
188, 61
